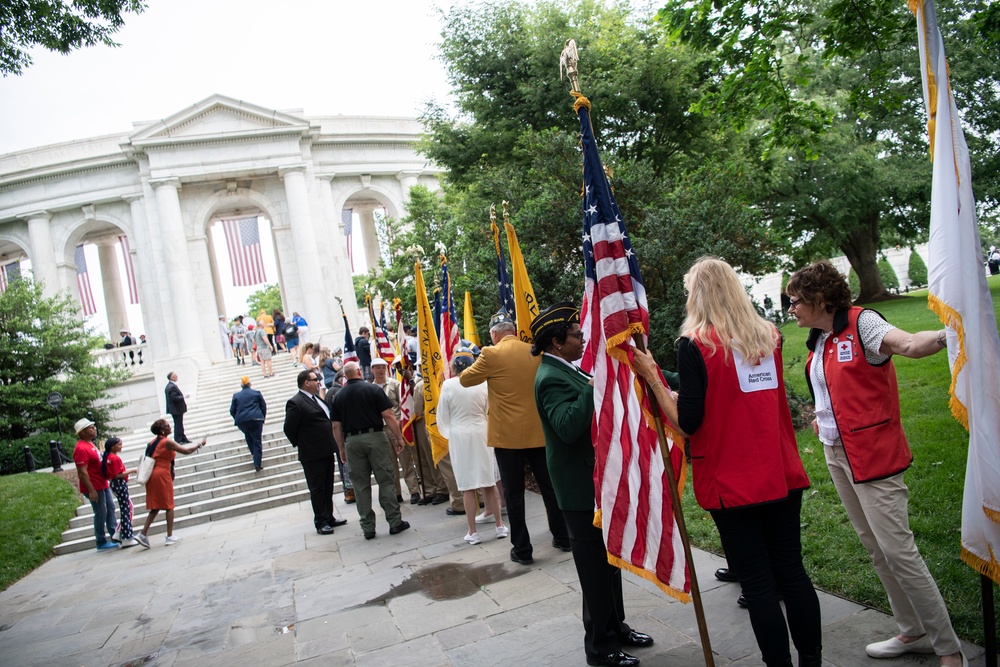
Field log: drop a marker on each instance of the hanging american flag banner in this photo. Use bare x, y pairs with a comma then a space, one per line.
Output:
451, 339
382, 349
3, 278
634, 505
83, 282
133, 288
245, 259
347, 220
9, 273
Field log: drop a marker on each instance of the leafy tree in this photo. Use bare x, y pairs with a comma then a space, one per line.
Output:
44, 349
854, 283
268, 297
889, 277
917, 269
57, 25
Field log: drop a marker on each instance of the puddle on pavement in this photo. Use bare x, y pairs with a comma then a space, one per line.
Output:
448, 581
138, 662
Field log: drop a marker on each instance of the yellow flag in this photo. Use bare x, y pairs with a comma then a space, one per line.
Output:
433, 366
469, 322
525, 306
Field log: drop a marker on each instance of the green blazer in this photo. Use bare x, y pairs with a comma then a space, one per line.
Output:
565, 402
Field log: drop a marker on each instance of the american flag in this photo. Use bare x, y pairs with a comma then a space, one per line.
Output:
503, 280
9, 273
634, 504
347, 220
83, 282
349, 352
382, 349
451, 339
243, 240
133, 288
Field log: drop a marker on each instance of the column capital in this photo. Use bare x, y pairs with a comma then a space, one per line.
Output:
128, 199
291, 169
411, 173
106, 241
326, 175
172, 182
38, 215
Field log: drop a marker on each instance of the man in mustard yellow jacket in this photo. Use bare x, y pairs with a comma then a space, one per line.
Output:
514, 430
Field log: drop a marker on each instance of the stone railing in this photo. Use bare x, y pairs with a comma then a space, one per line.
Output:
135, 358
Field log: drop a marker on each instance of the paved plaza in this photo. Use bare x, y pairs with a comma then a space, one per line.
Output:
266, 590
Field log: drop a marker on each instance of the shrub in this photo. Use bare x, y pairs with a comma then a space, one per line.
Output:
917, 269
889, 278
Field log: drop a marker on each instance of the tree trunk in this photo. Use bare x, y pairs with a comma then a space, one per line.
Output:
860, 247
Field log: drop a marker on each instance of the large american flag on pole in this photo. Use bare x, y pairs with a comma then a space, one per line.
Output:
347, 221
133, 288
959, 294
245, 259
634, 505
83, 282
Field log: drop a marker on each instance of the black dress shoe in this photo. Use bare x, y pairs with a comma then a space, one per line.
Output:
616, 659
637, 639
370, 536
562, 546
414, 498
742, 601
325, 530
399, 499
426, 500
726, 574
338, 522
451, 511
521, 561
400, 527
440, 498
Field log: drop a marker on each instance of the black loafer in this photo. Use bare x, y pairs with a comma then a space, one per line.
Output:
414, 498
725, 574
370, 536
742, 601
325, 530
562, 546
521, 561
426, 500
338, 522
637, 639
400, 527
451, 511
440, 498
616, 659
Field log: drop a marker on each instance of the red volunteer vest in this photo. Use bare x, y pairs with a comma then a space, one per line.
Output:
865, 402
744, 452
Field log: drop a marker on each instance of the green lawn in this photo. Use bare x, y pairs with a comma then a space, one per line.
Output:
37, 507
834, 557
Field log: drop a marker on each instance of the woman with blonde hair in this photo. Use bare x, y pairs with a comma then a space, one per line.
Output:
745, 463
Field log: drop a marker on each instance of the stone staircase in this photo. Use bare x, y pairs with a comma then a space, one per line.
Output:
217, 482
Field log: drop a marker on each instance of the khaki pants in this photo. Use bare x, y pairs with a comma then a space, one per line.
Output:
404, 460
878, 511
368, 454
433, 480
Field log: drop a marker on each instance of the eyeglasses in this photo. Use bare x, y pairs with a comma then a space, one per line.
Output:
576, 334
793, 303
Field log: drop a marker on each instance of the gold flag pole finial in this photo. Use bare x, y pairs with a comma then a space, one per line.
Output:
506, 212
568, 60
493, 213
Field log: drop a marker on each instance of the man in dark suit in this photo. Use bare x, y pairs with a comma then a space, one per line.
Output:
176, 407
249, 411
309, 429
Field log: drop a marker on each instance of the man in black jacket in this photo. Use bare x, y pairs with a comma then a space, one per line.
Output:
363, 348
308, 428
176, 407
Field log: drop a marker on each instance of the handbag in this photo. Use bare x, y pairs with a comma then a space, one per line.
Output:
145, 468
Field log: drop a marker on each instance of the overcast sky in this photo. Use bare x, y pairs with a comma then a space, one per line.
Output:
326, 57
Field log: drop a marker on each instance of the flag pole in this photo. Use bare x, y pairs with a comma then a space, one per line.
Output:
678, 510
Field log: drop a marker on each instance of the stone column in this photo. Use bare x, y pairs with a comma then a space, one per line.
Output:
144, 263
43, 254
311, 301
368, 235
407, 180
111, 279
174, 247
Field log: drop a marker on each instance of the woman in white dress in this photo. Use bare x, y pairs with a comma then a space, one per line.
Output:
461, 418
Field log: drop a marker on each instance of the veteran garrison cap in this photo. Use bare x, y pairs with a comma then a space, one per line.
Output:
501, 317
563, 312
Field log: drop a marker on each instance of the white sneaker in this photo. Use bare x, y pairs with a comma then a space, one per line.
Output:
117, 537
473, 538
501, 532
893, 647
484, 518
130, 542
171, 540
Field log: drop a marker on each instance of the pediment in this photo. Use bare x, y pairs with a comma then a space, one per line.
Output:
219, 117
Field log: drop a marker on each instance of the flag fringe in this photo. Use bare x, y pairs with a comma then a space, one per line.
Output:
680, 596
989, 569
951, 318
580, 101
617, 339
992, 514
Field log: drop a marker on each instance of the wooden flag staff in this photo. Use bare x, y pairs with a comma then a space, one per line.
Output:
568, 60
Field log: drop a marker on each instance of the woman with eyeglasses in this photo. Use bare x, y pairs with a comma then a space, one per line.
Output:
744, 459
853, 383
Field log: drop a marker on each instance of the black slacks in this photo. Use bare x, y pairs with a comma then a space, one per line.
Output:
179, 428
319, 479
511, 463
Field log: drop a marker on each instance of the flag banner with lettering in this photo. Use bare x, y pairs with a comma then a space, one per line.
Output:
634, 505
133, 287
83, 282
525, 306
432, 368
381, 349
406, 415
347, 221
960, 296
503, 280
469, 322
450, 339
245, 259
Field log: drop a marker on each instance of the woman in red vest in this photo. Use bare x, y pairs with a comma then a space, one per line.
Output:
744, 460
857, 420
